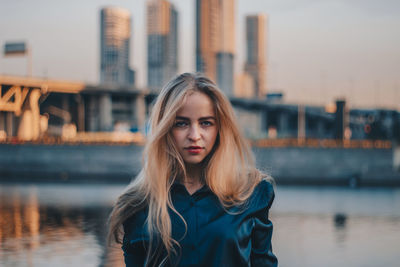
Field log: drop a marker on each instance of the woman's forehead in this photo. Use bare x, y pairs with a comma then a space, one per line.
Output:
197, 103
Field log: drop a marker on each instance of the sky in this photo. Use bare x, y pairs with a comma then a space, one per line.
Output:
318, 50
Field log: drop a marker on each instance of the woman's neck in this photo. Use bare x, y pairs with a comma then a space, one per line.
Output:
193, 180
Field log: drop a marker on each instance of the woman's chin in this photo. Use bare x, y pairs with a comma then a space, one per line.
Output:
193, 161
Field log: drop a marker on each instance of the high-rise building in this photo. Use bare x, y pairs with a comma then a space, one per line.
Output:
256, 53
162, 43
244, 85
115, 34
215, 41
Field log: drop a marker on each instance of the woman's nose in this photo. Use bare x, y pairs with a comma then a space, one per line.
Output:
194, 133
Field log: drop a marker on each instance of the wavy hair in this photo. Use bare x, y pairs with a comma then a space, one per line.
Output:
232, 183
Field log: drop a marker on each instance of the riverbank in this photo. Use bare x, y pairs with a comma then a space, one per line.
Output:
120, 163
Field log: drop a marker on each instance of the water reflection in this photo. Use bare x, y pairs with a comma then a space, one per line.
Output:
64, 225
19, 219
35, 231
340, 220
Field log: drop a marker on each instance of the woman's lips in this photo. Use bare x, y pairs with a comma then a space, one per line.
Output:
194, 149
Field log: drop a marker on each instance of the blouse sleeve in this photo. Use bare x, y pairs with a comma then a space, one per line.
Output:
261, 253
133, 244
134, 255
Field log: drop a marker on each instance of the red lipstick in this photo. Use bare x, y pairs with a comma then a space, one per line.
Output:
194, 149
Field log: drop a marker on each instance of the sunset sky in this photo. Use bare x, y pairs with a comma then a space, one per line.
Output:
318, 50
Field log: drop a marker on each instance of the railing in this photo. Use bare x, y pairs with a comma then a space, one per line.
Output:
84, 138
323, 143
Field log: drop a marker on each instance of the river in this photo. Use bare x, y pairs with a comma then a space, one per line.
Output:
65, 225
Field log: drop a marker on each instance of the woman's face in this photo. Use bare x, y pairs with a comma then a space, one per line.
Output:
195, 129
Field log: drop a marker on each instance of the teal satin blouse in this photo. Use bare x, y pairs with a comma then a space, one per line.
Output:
240, 236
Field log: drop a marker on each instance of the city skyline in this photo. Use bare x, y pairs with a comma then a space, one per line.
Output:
318, 50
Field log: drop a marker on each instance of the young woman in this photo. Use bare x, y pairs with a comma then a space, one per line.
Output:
199, 200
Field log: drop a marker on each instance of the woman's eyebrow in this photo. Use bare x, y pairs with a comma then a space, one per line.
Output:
207, 118
202, 118
182, 118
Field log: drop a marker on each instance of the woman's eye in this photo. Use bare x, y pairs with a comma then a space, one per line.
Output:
180, 124
206, 123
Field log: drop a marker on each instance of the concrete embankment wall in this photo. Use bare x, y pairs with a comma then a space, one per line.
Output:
70, 162
328, 166
290, 165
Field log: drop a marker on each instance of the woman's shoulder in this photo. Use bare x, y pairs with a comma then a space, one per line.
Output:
265, 185
262, 196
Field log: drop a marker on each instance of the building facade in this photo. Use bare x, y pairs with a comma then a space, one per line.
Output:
215, 41
115, 34
162, 43
244, 85
255, 64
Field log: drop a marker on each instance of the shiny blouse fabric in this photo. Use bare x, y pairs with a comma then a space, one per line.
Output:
214, 237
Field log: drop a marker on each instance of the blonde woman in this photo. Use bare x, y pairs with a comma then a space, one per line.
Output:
199, 200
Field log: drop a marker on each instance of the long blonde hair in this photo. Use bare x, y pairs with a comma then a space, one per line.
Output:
229, 170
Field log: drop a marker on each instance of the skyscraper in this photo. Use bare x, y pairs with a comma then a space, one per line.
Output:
162, 43
256, 53
115, 34
215, 41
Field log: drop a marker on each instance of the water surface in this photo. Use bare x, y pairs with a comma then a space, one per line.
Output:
64, 225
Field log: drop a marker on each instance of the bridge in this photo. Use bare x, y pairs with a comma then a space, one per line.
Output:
35, 108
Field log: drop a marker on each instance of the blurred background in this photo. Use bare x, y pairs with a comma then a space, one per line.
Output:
315, 86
